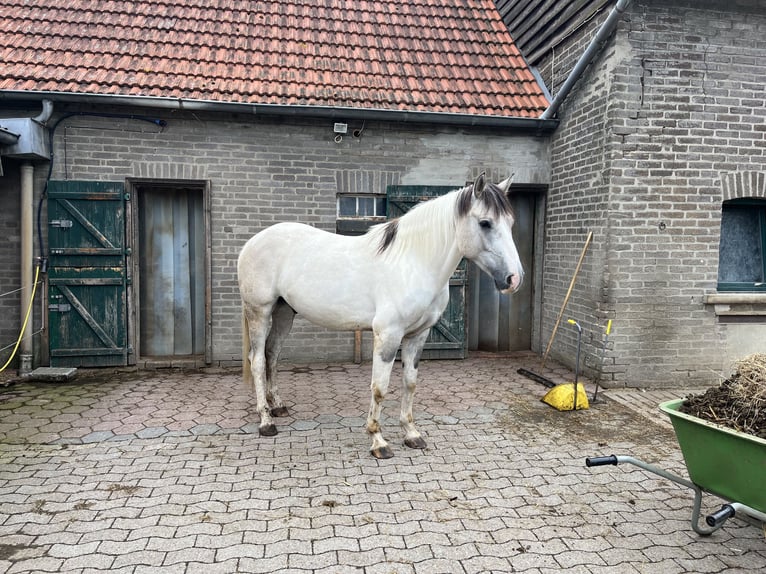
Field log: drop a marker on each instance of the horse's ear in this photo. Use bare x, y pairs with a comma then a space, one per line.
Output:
478, 185
505, 185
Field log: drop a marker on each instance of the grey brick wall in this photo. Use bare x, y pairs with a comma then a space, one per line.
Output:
262, 171
10, 251
10, 247
577, 202
656, 135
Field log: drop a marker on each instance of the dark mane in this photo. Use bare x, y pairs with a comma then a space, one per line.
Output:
492, 198
495, 200
390, 230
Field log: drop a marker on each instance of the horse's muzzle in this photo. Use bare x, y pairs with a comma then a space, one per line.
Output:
509, 284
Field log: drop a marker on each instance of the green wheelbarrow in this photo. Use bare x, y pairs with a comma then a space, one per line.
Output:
720, 461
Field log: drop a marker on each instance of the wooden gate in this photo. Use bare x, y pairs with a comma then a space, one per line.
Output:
447, 339
87, 296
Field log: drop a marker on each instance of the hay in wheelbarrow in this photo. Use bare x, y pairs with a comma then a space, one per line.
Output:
739, 402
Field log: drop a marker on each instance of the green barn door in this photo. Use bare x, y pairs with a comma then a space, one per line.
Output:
87, 299
447, 339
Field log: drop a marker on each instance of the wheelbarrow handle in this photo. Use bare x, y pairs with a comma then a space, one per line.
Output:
721, 516
601, 460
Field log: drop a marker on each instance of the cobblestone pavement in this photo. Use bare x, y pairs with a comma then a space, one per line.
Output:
164, 471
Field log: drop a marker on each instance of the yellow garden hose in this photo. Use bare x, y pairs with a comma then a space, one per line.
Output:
26, 320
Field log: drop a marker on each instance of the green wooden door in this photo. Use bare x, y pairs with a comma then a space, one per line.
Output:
87, 296
447, 339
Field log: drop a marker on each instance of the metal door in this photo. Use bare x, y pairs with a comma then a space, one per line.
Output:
171, 270
87, 296
498, 322
447, 339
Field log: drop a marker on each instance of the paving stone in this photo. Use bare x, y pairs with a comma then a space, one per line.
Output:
151, 432
98, 436
205, 429
475, 564
189, 555
91, 562
147, 558
389, 567
310, 562
304, 425
362, 560
502, 486
43, 564
71, 550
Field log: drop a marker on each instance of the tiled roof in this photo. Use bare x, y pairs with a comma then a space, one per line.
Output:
414, 55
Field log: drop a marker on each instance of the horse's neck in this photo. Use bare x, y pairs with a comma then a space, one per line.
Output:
429, 237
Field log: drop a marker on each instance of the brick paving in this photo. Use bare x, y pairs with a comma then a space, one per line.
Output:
164, 471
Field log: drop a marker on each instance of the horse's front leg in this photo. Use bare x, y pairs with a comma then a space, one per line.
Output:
412, 347
383, 355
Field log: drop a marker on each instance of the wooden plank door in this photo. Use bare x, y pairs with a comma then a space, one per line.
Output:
447, 339
87, 295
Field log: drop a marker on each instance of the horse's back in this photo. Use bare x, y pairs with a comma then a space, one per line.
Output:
286, 239
289, 253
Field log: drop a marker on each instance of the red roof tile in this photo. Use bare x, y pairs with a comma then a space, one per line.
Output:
414, 55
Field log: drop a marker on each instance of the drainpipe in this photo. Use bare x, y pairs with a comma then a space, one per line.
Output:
45, 115
27, 240
587, 57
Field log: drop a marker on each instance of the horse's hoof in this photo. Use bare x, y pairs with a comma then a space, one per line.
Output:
416, 442
279, 412
268, 430
382, 452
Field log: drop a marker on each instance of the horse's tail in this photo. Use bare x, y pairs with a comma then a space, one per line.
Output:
247, 371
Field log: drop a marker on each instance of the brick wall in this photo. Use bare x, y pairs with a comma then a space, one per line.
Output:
10, 253
670, 112
262, 171
10, 250
577, 202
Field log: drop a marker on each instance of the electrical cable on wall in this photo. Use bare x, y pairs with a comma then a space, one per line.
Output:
52, 131
42, 265
26, 320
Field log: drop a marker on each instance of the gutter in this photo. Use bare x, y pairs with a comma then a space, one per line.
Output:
593, 49
7, 137
442, 118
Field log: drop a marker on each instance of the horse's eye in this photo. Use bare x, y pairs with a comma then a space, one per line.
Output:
485, 224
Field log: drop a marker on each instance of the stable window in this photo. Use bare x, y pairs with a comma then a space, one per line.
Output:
742, 251
357, 212
362, 206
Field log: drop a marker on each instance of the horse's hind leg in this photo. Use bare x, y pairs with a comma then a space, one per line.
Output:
412, 347
258, 321
281, 322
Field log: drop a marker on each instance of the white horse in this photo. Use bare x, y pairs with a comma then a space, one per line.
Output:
394, 281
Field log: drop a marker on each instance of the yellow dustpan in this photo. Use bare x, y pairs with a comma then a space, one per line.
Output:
569, 396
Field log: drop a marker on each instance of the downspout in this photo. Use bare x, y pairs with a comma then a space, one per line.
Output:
45, 115
27, 246
27, 240
595, 46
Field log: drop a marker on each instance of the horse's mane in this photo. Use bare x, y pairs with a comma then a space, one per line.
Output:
438, 214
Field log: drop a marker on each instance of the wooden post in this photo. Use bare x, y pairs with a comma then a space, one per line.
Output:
358, 347
566, 298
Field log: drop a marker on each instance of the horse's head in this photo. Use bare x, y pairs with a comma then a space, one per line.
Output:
484, 232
